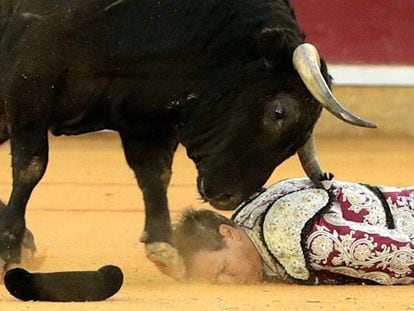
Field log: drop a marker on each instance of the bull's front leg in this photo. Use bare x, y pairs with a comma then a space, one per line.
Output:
151, 162
29, 160
26, 97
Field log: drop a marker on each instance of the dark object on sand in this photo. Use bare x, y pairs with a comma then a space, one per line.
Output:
64, 286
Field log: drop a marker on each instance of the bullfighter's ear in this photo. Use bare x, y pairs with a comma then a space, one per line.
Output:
277, 46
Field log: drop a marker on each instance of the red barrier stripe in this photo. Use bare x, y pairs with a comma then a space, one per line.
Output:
359, 31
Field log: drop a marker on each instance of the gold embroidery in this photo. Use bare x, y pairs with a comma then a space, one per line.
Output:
361, 199
283, 225
355, 255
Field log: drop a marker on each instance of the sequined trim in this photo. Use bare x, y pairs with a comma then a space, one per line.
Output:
283, 225
247, 214
255, 235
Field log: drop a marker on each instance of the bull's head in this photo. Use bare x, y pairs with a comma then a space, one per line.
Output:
267, 119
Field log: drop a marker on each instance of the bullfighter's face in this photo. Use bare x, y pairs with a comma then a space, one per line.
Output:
238, 262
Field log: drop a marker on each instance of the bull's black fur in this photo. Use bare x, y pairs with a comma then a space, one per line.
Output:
160, 73
3, 125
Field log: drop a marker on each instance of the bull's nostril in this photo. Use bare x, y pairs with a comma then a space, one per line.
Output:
224, 198
224, 202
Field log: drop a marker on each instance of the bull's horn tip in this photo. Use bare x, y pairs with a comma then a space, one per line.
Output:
357, 121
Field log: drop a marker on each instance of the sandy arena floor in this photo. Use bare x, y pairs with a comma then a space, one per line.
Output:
88, 212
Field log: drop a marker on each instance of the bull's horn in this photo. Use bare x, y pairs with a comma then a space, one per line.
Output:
307, 63
310, 163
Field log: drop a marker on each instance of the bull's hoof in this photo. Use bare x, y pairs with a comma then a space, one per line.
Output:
166, 258
28, 258
23, 256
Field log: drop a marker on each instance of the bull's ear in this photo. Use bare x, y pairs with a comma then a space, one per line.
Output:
277, 46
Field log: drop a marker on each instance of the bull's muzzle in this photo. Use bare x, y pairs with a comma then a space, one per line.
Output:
221, 201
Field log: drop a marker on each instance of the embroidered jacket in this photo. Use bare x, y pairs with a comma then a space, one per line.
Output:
352, 233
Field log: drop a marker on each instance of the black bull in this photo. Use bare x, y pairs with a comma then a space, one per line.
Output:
230, 80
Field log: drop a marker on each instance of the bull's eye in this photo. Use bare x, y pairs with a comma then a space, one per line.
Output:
279, 113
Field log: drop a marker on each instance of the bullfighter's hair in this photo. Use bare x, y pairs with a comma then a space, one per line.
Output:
198, 230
